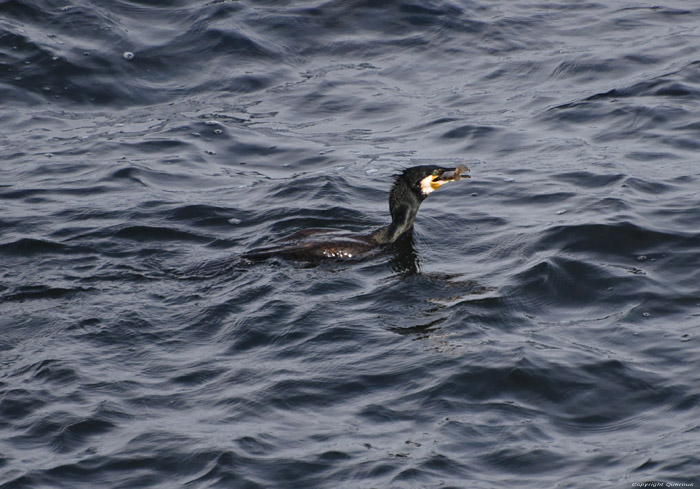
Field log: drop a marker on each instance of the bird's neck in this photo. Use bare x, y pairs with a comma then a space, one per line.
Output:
404, 203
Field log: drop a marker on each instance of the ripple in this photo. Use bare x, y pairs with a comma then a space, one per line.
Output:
588, 179
37, 292
31, 246
156, 233
623, 238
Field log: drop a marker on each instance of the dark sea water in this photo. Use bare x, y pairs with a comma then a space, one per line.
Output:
542, 332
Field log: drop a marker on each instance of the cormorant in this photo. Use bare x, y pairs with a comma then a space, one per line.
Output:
410, 189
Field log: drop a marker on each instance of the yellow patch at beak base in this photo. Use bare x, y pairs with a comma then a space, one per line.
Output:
435, 184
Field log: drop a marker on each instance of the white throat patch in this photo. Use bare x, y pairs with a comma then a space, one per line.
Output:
427, 185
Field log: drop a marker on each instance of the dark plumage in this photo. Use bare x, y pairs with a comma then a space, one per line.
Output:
410, 189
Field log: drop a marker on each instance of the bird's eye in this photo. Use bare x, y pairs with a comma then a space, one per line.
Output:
435, 173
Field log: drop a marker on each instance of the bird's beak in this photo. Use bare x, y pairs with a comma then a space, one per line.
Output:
461, 171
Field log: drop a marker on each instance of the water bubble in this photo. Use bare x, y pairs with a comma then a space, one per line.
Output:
563, 211
642, 258
128, 55
646, 314
86, 53
218, 131
233, 220
210, 152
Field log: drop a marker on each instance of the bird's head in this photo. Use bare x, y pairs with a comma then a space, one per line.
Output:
428, 178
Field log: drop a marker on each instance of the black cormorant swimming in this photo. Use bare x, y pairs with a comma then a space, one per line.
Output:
410, 189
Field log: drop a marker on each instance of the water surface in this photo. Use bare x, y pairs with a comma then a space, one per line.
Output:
542, 331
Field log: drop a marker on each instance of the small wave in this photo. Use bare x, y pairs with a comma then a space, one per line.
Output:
38, 292
589, 179
32, 246
621, 239
158, 233
203, 215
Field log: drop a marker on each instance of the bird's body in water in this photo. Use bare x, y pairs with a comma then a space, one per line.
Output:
410, 188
